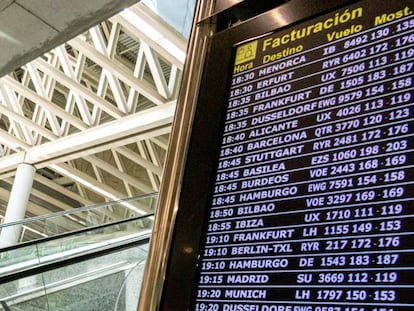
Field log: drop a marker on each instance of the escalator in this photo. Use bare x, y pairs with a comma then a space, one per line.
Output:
94, 260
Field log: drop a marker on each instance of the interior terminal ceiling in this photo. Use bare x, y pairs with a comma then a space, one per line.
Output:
93, 115
176, 13
29, 28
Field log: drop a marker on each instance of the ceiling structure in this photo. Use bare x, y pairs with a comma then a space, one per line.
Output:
29, 28
94, 114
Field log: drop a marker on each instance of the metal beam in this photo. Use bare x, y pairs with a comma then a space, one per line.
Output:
119, 70
82, 143
97, 187
45, 103
78, 88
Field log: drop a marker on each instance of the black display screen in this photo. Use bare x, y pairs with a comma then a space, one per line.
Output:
312, 206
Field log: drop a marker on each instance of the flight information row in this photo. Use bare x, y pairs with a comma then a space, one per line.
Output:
318, 213
320, 262
241, 230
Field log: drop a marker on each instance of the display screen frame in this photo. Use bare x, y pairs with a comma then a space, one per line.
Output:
204, 145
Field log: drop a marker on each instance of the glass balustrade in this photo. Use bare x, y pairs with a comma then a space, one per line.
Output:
123, 225
84, 217
108, 282
103, 282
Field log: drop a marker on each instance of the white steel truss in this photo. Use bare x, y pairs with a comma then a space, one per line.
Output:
93, 115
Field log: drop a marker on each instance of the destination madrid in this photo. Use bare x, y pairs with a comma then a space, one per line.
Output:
278, 140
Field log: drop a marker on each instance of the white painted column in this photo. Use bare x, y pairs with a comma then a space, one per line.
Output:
16, 208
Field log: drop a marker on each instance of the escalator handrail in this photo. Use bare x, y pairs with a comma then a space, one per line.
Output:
4, 305
41, 268
77, 210
71, 233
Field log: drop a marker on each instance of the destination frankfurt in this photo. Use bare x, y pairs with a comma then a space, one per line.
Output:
264, 235
294, 98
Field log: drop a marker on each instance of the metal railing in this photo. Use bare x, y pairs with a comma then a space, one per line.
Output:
113, 245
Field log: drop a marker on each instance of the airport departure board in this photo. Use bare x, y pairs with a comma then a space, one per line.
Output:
313, 200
